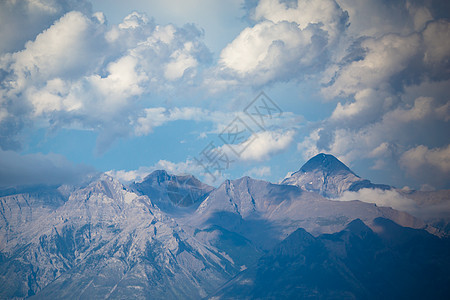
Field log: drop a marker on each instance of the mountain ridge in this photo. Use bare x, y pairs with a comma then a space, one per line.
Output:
334, 266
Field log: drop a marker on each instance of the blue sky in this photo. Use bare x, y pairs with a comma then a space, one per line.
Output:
127, 87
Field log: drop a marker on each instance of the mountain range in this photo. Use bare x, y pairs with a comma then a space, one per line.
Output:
174, 237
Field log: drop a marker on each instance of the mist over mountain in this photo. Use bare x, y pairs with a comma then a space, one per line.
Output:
174, 237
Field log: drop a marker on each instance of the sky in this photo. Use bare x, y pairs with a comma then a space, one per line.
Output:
223, 89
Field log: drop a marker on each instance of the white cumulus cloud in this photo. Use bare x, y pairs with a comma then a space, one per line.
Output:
286, 43
81, 72
420, 160
265, 144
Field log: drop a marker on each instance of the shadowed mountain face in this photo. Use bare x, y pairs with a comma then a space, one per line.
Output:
327, 163
356, 263
328, 176
173, 237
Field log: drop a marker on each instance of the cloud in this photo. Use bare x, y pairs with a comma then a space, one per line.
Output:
34, 169
259, 146
80, 71
131, 175
325, 13
260, 172
158, 116
398, 199
387, 137
401, 17
427, 165
133, 20
390, 86
286, 43
180, 62
387, 71
26, 19
154, 117
384, 65
190, 166
419, 156
70, 44
384, 57
268, 143
265, 144
389, 198
180, 168
435, 35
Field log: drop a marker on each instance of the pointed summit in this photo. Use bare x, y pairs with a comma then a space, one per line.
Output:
328, 176
326, 163
359, 228
158, 176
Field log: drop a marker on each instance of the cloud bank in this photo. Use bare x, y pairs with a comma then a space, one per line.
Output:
383, 66
81, 72
40, 169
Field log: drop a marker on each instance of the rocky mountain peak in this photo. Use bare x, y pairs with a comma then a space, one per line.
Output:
167, 190
328, 176
326, 163
358, 227
157, 176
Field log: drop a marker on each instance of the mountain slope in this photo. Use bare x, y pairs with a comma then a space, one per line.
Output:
265, 213
328, 176
356, 263
25, 206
